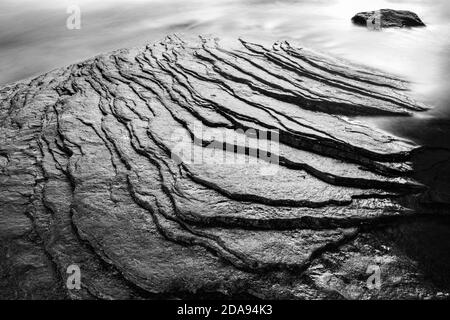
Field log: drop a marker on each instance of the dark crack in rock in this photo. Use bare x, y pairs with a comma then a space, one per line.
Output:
87, 175
389, 18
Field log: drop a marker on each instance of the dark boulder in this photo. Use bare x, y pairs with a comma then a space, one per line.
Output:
389, 18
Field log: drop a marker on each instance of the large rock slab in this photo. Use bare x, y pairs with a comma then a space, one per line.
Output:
97, 165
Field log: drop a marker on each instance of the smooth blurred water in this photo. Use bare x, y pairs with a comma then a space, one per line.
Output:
34, 38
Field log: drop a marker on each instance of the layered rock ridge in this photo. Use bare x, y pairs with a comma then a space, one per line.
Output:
97, 170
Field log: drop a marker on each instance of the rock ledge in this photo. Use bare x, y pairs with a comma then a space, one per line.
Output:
87, 176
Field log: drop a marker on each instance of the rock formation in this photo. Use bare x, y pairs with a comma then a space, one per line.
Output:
95, 171
390, 18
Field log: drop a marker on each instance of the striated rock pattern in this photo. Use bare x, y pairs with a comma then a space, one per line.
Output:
93, 174
390, 18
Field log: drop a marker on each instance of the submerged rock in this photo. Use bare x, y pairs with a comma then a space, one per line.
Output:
389, 18
98, 170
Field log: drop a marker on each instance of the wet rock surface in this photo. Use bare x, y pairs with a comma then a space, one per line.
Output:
96, 170
389, 18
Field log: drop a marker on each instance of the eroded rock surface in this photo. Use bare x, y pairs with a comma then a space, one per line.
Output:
389, 18
95, 170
